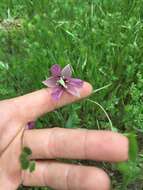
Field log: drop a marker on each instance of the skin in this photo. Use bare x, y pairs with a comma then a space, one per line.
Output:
49, 144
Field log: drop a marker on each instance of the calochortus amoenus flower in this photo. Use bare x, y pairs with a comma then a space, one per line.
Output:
61, 80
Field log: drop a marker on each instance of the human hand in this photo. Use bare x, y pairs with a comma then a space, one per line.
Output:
49, 144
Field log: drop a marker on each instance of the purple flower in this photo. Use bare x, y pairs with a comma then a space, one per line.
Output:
61, 81
31, 125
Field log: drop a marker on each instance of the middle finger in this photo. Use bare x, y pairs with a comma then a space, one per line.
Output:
76, 144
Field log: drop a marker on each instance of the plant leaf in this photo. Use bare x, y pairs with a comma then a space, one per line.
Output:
27, 150
133, 147
24, 161
72, 121
32, 166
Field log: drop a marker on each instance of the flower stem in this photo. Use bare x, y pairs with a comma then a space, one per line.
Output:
106, 86
110, 122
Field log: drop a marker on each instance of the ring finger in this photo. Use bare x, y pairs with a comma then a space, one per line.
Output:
66, 177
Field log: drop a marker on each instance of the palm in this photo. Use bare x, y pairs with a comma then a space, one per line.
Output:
11, 130
15, 114
9, 163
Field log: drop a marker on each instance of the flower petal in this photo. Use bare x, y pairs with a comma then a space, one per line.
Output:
67, 71
57, 93
56, 70
31, 125
78, 83
50, 82
73, 90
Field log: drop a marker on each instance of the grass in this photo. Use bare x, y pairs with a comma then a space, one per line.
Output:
103, 41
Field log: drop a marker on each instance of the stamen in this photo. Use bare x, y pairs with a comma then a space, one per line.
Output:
62, 82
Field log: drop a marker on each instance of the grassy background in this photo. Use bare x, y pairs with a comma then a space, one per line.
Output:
103, 41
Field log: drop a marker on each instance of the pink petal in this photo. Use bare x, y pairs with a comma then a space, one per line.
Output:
76, 82
73, 90
50, 82
31, 125
56, 70
57, 93
67, 71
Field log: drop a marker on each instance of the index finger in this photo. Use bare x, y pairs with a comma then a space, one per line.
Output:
31, 106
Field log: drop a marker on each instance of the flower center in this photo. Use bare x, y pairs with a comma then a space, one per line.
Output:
62, 82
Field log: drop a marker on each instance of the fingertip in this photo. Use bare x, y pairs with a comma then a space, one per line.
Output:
122, 147
125, 148
103, 179
86, 89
